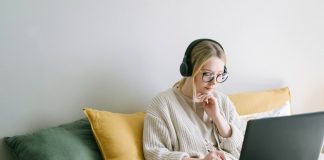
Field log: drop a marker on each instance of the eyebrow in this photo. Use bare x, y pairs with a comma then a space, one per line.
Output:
212, 71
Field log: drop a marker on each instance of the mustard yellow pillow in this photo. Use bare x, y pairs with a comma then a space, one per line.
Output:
260, 101
119, 136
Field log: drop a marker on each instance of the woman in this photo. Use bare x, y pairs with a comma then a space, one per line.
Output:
192, 120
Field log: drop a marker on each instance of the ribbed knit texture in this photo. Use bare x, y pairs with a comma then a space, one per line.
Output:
169, 134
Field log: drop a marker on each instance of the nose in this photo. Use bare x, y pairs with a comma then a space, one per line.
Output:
213, 81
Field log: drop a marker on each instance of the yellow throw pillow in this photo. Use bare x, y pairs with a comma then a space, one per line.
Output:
262, 101
118, 135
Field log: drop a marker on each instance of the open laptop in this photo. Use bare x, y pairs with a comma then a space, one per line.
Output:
296, 137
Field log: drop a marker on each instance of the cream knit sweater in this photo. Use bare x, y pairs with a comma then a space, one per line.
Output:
169, 133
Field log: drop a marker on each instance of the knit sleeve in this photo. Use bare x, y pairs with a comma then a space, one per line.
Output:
233, 144
157, 143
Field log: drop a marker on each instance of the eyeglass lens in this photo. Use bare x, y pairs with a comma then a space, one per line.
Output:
208, 77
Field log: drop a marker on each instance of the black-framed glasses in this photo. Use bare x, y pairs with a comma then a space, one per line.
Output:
208, 76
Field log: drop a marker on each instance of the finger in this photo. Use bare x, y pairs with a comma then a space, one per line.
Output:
221, 158
208, 99
201, 95
216, 158
221, 155
206, 96
202, 98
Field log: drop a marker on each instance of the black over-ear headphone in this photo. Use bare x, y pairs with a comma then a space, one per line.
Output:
186, 66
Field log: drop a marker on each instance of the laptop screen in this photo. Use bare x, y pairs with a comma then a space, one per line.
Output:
296, 137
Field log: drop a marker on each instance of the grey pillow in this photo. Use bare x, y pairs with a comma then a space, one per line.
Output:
72, 141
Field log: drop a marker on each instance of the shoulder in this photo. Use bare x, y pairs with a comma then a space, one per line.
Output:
224, 101
164, 96
161, 102
221, 96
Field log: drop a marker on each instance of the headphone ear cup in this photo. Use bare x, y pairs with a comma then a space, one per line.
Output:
184, 69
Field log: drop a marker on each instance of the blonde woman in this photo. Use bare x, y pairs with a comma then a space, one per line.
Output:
192, 120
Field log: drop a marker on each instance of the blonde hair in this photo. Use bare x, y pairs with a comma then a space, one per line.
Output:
200, 55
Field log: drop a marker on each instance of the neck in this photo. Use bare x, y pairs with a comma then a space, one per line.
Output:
186, 89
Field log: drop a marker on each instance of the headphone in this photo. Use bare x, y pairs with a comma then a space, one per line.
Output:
186, 65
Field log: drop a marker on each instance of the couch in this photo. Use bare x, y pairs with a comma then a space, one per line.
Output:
107, 135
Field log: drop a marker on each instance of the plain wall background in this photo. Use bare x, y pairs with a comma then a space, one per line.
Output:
57, 57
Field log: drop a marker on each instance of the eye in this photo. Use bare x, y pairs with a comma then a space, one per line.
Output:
208, 74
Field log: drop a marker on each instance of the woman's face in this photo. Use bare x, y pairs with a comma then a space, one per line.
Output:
214, 66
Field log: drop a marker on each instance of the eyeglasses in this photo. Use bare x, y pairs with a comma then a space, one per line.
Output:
210, 76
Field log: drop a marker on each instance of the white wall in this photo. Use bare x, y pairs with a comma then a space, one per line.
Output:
57, 57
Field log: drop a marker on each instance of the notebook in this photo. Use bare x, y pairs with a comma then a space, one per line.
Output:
296, 137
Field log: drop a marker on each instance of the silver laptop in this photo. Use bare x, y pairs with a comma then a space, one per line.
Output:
296, 137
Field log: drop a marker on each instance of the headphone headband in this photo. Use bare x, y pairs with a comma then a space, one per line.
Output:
186, 66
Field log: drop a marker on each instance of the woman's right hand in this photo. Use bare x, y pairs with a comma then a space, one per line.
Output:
215, 155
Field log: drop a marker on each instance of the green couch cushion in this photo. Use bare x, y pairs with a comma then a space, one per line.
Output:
72, 141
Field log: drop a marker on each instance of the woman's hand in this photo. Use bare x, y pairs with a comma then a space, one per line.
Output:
215, 155
210, 105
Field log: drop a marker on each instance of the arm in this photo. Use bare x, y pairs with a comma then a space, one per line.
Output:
159, 137
211, 106
224, 129
233, 143
157, 142
227, 122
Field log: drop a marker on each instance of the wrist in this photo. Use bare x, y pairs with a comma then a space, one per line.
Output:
217, 117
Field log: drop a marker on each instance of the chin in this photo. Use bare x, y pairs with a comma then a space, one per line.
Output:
210, 91
207, 90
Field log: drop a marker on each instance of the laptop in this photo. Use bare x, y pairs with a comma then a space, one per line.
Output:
296, 137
